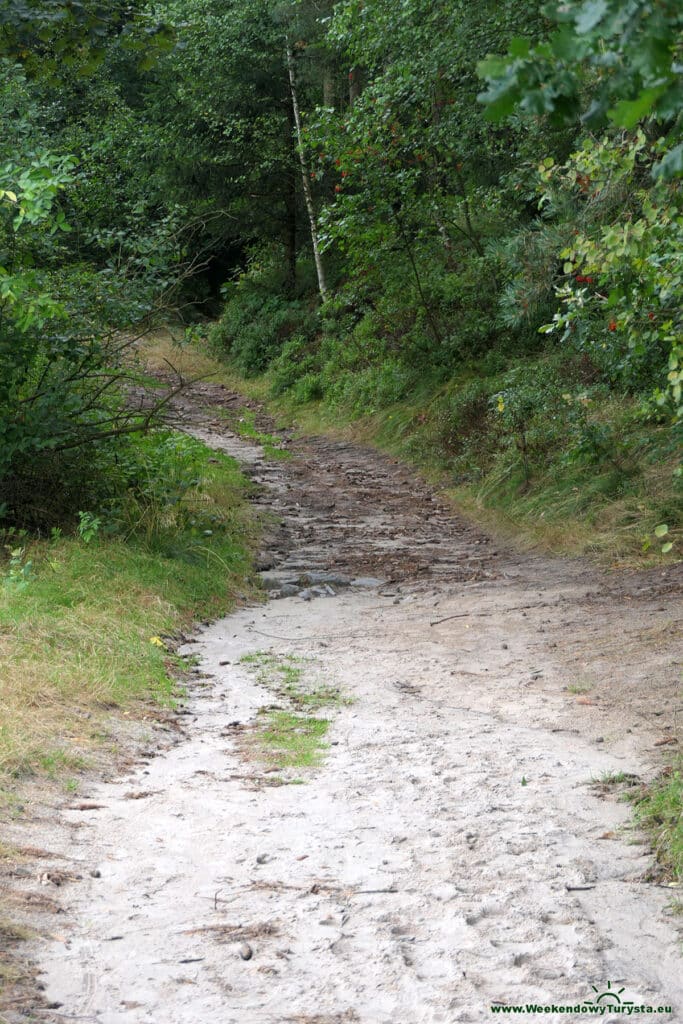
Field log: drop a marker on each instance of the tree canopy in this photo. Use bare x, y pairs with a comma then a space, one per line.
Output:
371, 194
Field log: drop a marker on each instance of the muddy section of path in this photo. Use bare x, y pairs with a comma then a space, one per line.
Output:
452, 851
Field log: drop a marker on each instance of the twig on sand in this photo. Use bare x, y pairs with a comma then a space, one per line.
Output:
462, 615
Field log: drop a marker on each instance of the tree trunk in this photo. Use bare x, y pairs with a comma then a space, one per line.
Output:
290, 194
355, 85
305, 180
328, 88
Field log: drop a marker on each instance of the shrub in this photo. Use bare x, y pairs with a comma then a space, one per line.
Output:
308, 389
157, 491
620, 297
296, 360
256, 325
363, 391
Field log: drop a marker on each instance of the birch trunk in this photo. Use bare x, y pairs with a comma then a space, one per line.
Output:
305, 180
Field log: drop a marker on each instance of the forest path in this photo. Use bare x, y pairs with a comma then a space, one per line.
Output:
451, 851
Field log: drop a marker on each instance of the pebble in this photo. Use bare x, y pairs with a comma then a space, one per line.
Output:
311, 592
245, 951
319, 576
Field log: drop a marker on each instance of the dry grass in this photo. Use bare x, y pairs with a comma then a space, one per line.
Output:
11, 933
165, 350
165, 346
237, 932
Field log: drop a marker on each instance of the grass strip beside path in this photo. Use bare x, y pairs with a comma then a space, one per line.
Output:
87, 628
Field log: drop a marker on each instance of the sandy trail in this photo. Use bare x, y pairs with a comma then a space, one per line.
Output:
451, 853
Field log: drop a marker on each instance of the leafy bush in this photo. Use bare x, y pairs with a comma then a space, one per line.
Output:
362, 392
257, 323
462, 415
623, 276
296, 360
45, 489
308, 389
158, 492
64, 356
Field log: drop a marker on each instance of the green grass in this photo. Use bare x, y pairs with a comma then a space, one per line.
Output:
243, 422
292, 737
659, 810
57, 761
288, 740
618, 779
579, 688
285, 675
92, 629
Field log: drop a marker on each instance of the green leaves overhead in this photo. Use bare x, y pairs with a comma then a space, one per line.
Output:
607, 60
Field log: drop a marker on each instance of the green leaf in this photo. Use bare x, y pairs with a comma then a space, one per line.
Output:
672, 164
628, 113
590, 15
500, 100
566, 44
519, 47
494, 66
661, 530
666, 548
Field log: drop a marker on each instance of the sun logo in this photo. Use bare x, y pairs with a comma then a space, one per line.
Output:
610, 996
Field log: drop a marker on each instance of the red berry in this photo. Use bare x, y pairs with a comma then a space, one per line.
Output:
612, 325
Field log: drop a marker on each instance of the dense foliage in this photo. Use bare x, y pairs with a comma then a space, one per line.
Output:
470, 209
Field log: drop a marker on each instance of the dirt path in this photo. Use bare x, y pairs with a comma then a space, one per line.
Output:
450, 852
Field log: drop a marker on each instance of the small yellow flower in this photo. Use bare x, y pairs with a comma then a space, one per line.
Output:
501, 403
157, 641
